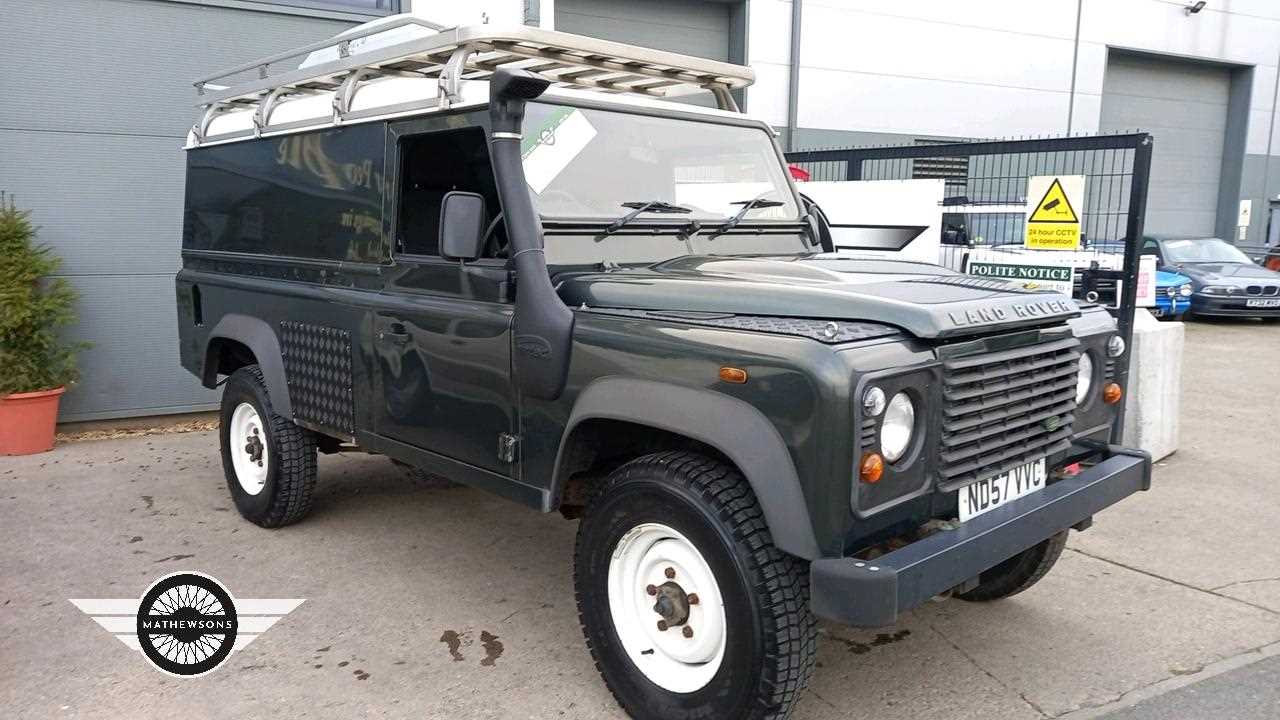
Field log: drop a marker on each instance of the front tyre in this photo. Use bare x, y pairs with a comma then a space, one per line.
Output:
688, 608
269, 462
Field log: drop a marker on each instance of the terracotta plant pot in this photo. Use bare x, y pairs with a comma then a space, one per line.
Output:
27, 421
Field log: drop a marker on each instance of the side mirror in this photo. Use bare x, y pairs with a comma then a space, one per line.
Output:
462, 225
819, 226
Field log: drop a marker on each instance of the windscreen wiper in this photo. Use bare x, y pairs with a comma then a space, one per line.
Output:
652, 206
747, 205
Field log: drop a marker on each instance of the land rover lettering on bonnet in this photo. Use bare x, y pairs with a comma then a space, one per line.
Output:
450, 248
1024, 310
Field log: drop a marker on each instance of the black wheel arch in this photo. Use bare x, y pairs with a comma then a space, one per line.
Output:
230, 339
750, 442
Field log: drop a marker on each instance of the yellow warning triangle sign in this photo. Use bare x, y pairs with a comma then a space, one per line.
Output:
1054, 207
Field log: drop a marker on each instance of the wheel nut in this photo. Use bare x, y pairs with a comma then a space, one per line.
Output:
687, 631
662, 625
652, 589
670, 573
693, 598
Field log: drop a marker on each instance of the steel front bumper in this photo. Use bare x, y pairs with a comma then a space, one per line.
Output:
874, 593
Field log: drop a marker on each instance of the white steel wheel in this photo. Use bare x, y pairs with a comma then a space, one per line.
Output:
667, 608
249, 454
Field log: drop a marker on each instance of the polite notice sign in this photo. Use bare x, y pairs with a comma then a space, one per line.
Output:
1032, 277
1053, 212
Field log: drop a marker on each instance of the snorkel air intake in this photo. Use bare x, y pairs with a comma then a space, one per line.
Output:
543, 324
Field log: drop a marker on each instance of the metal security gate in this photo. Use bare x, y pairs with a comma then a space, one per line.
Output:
985, 201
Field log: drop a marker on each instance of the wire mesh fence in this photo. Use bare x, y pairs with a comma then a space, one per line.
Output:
985, 203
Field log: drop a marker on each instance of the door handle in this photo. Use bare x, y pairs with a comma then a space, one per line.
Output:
395, 334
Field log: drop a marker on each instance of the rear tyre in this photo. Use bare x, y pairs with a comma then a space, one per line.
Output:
269, 462
687, 607
1018, 572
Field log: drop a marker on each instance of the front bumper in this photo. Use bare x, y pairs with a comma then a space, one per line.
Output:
1170, 306
1230, 306
873, 593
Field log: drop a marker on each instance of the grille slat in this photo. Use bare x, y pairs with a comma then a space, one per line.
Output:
1012, 367
1014, 378
1005, 408
982, 406
1039, 413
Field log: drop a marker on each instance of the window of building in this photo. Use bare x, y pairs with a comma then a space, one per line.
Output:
431, 165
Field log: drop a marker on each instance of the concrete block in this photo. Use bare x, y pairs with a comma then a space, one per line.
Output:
1155, 385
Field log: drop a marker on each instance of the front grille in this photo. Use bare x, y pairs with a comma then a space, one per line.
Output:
1263, 289
1006, 408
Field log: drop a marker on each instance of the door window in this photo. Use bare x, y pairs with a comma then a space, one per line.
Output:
431, 165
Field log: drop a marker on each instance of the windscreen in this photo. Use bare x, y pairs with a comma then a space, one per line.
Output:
1205, 250
583, 163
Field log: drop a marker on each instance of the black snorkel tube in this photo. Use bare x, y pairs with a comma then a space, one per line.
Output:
543, 323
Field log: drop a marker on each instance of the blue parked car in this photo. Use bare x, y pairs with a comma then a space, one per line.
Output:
1173, 295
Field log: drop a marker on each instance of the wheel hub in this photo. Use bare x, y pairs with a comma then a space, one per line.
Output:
254, 447
672, 603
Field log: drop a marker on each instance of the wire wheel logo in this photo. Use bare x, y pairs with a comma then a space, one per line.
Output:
187, 624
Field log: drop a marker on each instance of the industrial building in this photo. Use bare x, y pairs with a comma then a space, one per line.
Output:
98, 102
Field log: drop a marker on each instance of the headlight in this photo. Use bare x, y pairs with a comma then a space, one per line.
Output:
1185, 291
1084, 378
1115, 347
1171, 291
1218, 290
898, 426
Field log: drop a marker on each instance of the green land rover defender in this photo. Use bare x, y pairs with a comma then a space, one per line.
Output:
498, 255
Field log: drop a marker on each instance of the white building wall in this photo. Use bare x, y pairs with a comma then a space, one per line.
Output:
996, 68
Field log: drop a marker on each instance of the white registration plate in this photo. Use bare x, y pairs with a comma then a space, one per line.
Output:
1263, 303
987, 495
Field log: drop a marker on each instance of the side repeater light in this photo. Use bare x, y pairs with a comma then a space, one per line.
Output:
734, 375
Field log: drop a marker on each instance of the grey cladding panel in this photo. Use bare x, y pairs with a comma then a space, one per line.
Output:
694, 27
1184, 106
106, 203
126, 66
132, 367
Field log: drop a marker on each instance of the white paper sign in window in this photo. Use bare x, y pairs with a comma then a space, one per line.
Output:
548, 149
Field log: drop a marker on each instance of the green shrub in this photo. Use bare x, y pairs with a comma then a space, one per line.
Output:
33, 306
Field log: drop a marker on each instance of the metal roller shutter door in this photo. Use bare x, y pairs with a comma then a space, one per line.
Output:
1184, 106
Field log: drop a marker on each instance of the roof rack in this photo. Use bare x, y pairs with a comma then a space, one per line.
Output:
470, 53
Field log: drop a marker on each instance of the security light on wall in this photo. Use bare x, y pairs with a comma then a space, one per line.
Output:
1194, 7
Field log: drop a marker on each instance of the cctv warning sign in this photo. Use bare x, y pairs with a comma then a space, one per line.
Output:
1053, 217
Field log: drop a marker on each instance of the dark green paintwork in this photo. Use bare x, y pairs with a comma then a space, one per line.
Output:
440, 397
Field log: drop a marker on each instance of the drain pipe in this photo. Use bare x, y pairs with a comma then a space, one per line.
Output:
793, 80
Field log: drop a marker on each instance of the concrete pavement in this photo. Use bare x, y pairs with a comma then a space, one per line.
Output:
1161, 588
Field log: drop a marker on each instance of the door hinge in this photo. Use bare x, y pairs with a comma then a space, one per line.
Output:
507, 447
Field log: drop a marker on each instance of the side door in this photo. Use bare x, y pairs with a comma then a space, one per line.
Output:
442, 327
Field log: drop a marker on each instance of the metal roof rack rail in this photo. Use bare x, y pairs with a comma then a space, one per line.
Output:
471, 53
